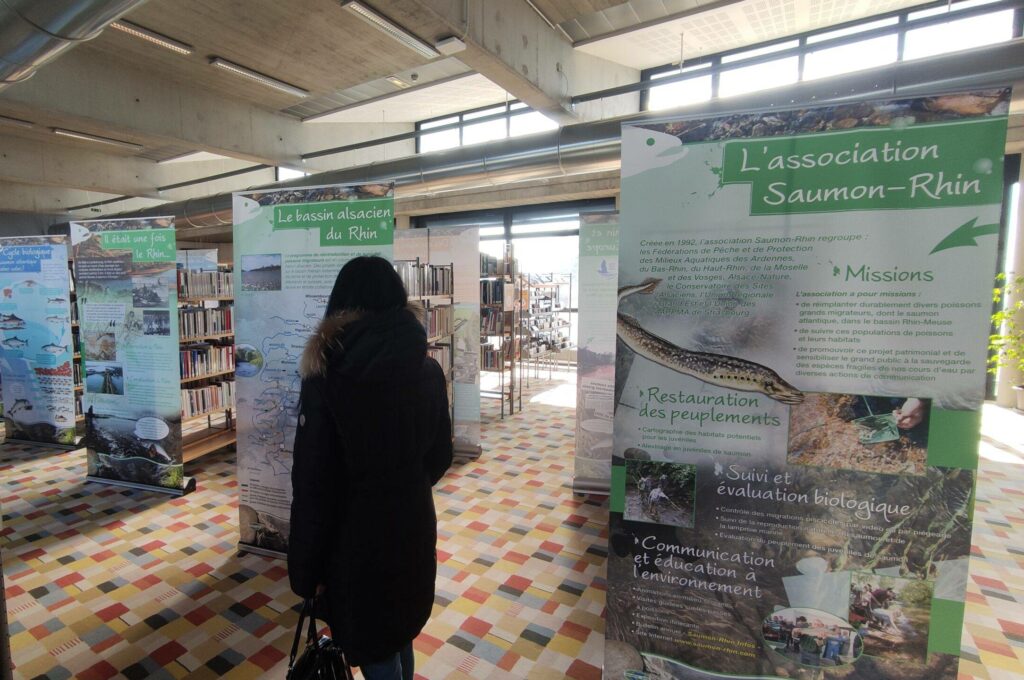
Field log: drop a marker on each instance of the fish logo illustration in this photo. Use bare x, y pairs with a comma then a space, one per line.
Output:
14, 343
55, 301
55, 349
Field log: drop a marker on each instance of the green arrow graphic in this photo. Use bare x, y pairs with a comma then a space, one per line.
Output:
964, 235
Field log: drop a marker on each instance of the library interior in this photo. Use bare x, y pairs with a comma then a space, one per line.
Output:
709, 360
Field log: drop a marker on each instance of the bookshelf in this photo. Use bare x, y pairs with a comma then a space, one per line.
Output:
206, 360
547, 319
76, 358
500, 327
433, 286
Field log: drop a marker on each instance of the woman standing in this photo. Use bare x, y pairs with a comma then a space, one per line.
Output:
373, 437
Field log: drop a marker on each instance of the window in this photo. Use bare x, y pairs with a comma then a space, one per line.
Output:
437, 141
869, 44
487, 131
514, 120
284, 174
744, 79
852, 30
759, 51
528, 123
683, 92
960, 34
833, 61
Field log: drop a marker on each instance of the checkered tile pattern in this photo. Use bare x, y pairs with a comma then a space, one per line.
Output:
993, 642
105, 582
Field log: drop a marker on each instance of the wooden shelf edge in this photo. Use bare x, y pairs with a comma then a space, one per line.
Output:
208, 414
202, 338
207, 444
194, 378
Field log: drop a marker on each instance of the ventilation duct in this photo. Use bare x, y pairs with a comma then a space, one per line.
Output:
589, 147
34, 32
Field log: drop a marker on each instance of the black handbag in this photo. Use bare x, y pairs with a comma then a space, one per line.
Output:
321, 659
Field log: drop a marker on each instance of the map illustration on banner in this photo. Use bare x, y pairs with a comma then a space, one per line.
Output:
125, 274
36, 339
289, 246
802, 319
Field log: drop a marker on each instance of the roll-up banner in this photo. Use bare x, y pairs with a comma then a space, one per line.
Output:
36, 346
595, 377
805, 296
289, 246
127, 296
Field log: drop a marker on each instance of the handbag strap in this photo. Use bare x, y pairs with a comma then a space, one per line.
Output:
307, 611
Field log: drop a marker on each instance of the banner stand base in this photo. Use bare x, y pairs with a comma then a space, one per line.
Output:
190, 485
590, 487
46, 445
256, 550
466, 453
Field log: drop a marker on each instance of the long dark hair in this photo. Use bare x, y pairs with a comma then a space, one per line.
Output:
368, 284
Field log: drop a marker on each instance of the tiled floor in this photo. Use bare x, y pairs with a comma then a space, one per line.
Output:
104, 582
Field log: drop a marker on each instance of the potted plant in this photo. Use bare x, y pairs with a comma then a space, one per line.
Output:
1007, 344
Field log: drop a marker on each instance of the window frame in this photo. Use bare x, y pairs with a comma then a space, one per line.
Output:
900, 28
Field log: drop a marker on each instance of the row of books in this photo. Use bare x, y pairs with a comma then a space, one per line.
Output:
440, 321
197, 401
492, 292
421, 280
196, 321
442, 355
493, 266
202, 360
194, 284
491, 322
490, 358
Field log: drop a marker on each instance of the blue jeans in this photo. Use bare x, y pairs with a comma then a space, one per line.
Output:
398, 667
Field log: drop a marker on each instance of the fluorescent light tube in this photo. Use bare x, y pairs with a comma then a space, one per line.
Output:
258, 77
397, 82
385, 25
96, 138
151, 36
18, 122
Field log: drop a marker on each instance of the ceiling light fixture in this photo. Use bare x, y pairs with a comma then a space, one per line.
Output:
258, 77
18, 122
61, 132
397, 82
151, 36
385, 25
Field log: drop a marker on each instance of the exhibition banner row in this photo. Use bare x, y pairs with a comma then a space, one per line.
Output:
595, 357
36, 345
288, 247
127, 296
804, 296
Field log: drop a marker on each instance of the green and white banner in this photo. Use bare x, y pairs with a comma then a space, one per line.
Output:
127, 296
802, 314
289, 246
36, 339
595, 358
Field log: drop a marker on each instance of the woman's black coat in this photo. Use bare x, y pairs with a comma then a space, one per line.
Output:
374, 436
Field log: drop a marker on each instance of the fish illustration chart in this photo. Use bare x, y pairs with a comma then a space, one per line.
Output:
35, 339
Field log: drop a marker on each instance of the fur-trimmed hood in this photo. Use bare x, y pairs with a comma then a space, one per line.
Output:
364, 345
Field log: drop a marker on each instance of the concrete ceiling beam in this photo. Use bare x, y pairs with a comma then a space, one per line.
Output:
508, 42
